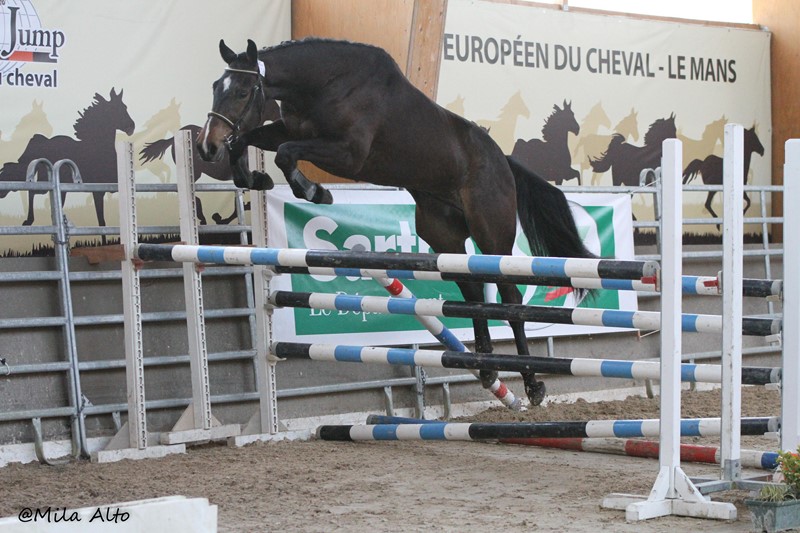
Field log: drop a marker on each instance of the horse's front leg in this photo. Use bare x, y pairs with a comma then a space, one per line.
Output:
269, 138
344, 158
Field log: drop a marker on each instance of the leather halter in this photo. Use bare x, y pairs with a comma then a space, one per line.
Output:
236, 125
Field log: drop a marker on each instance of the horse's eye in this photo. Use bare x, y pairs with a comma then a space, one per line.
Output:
242, 93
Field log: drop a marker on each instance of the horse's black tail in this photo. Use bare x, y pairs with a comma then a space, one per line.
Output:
692, 170
154, 150
545, 216
603, 163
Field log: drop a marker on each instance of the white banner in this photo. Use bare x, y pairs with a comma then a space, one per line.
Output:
553, 87
75, 76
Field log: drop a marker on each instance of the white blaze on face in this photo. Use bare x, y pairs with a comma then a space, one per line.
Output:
226, 84
204, 142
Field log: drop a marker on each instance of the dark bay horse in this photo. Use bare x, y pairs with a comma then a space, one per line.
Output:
348, 109
626, 161
549, 156
710, 168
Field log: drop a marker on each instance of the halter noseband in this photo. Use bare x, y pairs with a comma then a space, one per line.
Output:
257, 88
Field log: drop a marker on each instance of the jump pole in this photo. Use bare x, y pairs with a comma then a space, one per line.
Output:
435, 326
643, 320
477, 431
690, 453
505, 265
583, 367
692, 285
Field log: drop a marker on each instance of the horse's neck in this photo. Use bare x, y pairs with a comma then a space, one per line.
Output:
748, 155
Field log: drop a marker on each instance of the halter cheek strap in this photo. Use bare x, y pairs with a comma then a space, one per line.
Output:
256, 88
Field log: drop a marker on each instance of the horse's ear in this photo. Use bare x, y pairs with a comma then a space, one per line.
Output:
567, 104
252, 52
227, 54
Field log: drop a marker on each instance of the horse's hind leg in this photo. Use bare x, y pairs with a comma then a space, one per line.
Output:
535, 390
443, 227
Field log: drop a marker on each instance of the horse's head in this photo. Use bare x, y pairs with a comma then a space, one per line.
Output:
752, 142
238, 104
117, 113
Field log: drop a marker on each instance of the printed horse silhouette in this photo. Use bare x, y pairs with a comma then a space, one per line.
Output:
593, 146
347, 108
35, 121
164, 122
710, 168
218, 170
456, 106
590, 125
693, 149
503, 129
92, 150
627, 161
550, 158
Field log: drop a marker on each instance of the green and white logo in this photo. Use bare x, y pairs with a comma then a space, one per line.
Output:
384, 221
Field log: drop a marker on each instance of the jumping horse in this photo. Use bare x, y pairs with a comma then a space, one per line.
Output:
347, 108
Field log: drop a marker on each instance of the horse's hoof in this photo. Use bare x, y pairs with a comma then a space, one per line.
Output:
262, 181
488, 377
322, 196
242, 182
536, 391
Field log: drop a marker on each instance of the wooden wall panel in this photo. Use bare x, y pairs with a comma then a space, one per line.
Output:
782, 17
384, 23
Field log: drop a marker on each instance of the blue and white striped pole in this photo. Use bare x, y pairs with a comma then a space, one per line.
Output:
608, 368
499, 389
554, 267
460, 431
643, 320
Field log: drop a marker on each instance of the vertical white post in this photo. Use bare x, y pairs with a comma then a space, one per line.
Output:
732, 271
673, 492
265, 365
671, 296
192, 286
790, 382
131, 298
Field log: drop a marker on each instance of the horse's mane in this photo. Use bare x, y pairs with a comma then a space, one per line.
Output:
551, 126
89, 118
663, 128
314, 41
